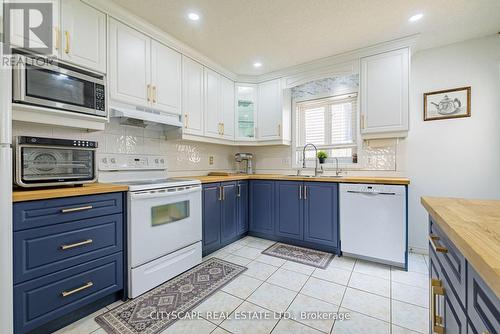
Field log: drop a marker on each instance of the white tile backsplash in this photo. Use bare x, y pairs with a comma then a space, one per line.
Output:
183, 157
374, 155
191, 158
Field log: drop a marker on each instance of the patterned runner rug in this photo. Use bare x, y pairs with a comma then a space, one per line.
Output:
298, 254
159, 308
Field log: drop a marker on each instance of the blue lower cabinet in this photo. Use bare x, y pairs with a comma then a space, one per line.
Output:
483, 306
454, 319
446, 312
68, 258
295, 212
321, 224
221, 211
289, 209
242, 207
261, 206
452, 261
47, 298
211, 217
229, 224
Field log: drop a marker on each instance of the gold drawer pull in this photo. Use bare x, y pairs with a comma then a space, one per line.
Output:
77, 244
66, 49
83, 287
81, 208
436, 320
440, 249
58, 38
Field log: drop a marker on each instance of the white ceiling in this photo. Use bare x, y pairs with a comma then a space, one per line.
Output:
283, 33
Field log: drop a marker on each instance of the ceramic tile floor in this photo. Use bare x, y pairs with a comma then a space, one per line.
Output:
378, 298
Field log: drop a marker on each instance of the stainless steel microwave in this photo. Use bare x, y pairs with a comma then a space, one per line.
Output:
41, 162
47, 83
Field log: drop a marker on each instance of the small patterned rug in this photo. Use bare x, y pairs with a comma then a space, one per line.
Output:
159, 308
298, 254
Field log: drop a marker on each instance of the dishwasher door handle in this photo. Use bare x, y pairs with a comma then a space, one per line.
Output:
370, 192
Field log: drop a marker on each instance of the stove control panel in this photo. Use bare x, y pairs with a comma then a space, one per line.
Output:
117, 162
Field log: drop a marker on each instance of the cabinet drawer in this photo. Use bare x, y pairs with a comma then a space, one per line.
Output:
452, 262
55, 211
483, 306
44, 250
47, 298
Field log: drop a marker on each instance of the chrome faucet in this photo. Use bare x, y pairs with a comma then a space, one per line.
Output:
337, 170
315, 159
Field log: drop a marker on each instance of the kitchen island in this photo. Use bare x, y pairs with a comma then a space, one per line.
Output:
464, 250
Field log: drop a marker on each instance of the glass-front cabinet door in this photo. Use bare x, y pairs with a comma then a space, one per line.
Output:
246, 111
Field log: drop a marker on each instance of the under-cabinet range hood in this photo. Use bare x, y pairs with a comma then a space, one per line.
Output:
144, 117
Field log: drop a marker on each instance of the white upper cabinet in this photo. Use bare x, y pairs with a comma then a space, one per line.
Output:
384, 94
165, 78
129, 65
219, 106
83, 40
270, 111
142, 71
227, 87
17, 38
213, 105
192, 96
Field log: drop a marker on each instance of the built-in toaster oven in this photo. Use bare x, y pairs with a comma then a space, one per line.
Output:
40, 162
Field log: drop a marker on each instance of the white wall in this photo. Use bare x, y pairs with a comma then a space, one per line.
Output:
456, 157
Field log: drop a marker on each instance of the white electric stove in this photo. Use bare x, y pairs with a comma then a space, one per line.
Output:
164, 219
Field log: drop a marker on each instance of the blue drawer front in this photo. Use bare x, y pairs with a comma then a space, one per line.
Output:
39, 251
41, 300
49, 212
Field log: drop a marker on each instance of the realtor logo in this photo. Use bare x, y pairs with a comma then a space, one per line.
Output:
28, 26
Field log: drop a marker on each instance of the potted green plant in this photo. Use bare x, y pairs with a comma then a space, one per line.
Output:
322, 157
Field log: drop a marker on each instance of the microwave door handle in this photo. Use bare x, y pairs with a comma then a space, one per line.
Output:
19, 79
166, 193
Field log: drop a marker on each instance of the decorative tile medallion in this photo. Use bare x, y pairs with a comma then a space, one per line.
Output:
298, 254
159, 308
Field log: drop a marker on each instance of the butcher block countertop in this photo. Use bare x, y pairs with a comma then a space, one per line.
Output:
343, 179
474, 228
21, 195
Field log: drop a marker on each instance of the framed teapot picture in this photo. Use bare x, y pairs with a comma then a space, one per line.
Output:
444, 104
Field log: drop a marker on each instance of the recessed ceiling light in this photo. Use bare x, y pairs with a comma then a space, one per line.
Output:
416, 17
257, 64
193, 16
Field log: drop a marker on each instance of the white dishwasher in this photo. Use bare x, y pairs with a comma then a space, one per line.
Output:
373, 222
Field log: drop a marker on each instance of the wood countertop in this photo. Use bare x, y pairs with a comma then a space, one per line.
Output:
343, 179
474, 228
21, 195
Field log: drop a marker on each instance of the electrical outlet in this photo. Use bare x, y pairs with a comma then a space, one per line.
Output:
211, 160
285, 161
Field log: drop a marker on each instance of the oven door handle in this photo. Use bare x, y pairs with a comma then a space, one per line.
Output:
155, 193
